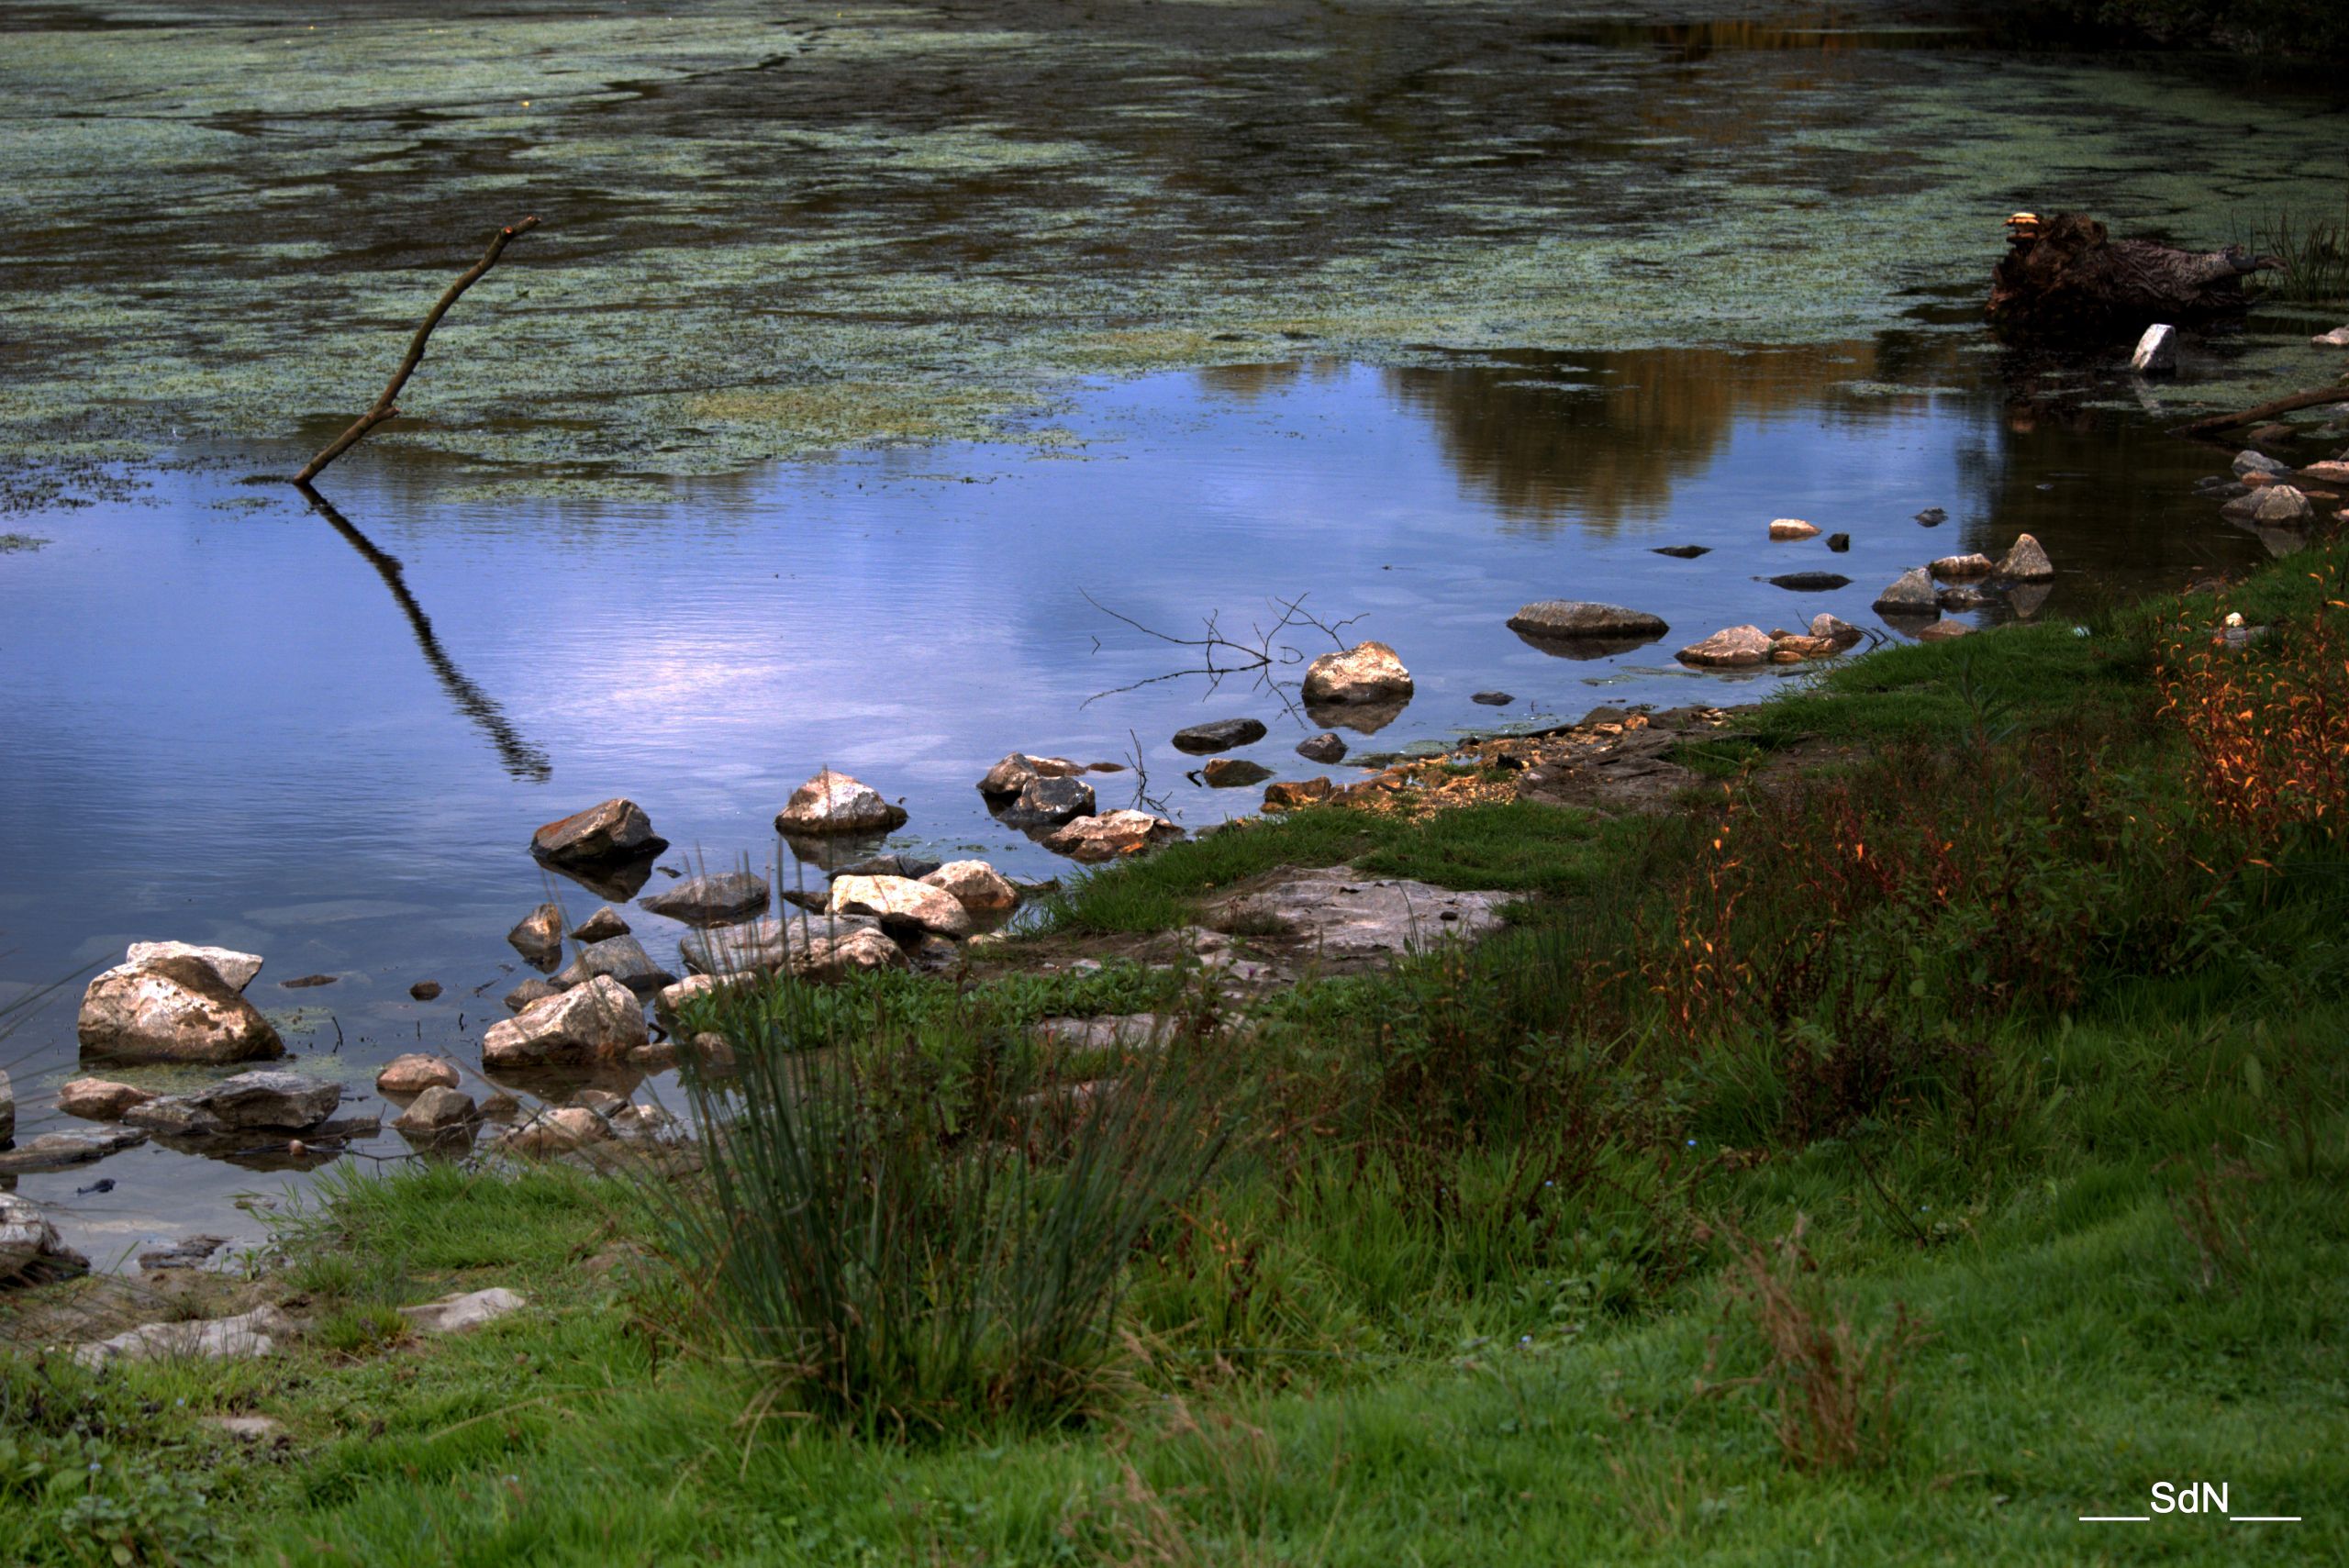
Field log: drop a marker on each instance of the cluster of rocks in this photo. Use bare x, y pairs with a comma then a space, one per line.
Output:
2272, 498
1917, 600
263, 1330
1744, 647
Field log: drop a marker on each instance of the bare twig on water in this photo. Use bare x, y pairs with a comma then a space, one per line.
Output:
386, 406
1143, 799
1261, 653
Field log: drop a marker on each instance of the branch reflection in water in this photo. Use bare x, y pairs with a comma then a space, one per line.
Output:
521, 759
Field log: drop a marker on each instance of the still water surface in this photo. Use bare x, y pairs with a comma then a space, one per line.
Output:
231, 722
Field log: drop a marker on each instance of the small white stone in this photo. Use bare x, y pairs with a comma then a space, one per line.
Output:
2156, 351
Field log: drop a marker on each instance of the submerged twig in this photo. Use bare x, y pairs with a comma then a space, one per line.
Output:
386, 405
1223, 656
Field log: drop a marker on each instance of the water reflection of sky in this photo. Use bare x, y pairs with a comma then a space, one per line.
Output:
221, 728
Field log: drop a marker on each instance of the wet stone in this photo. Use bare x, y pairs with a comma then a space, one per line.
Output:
1045, 802
1811, 582
899, 864
530, 991
601, 927
1234, 772
613, 830
619, 958
425, 991
1683, 552
1563, 620
1222, 735
1325, 747
1491, 700
537, 936
718, 899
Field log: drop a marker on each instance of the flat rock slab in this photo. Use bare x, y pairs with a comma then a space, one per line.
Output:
243, 1337
1633, 775
719, 899
57, 1150
1347, 918
1116, 1031
455, 1314
1222, 735
1569, 618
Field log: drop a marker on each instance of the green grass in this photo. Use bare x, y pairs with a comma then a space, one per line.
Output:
1500, 1266
1512, 847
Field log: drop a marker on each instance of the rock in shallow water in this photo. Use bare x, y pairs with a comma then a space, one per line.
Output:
835, 803
714, 900
438, 1112
1012, 774
530, 991
619, 958
76, 1146
2025, 561
1737, 647
1792, 528
1811, 582
614, 830
1111, 836
415, 1072
1566, 619
1324, 747
99, 1099
537, 936
2156, 351
601, 927
1912, 595
599, 1021
1045, 802
899, 902
1366, 673
289, 1102
235, 969
1953, 566
172, 1009
1222, 735
1234, 772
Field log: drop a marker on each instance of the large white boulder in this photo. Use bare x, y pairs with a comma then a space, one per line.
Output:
599, 1021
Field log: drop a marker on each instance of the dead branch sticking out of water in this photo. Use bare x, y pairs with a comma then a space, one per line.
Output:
2321, 395
1222, 657
386, 406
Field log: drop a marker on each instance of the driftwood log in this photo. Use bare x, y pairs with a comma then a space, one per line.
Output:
387, 406
2337, 393
2066, 278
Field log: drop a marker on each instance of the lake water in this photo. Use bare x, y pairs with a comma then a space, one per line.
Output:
231, 719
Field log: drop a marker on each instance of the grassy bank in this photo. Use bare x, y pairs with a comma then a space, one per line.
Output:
1932, 1135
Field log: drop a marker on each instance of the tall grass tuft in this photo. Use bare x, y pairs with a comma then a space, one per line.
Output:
916, 1220
2314, 249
